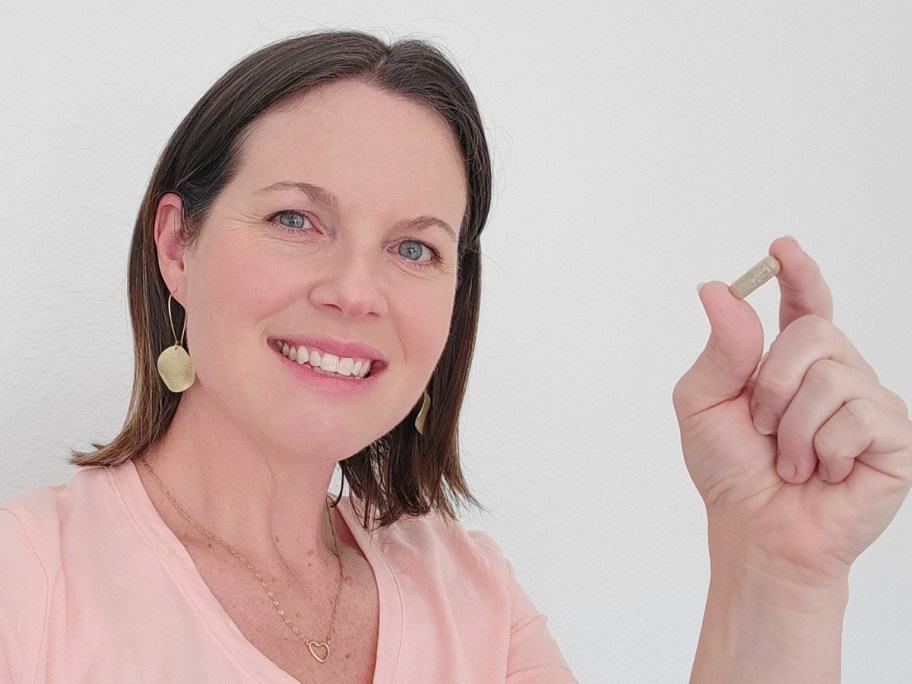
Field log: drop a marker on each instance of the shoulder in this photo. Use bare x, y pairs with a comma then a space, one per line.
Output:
36, 517
440, 543
56, 545
46, 526
23, 601
458, 591
482, 595
32, 528
28, 519
436, 558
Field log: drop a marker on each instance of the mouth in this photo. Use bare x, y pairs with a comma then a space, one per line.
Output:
325, 363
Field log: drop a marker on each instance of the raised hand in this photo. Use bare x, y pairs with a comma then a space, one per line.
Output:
802, 459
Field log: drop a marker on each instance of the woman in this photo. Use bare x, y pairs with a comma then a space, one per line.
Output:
317, 217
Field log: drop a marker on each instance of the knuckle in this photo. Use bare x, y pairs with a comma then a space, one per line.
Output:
813, 327
861, 413
897, 403
792, 433
827, 446
770, 386
827, 374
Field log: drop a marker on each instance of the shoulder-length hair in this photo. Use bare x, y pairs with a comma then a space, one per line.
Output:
403, 473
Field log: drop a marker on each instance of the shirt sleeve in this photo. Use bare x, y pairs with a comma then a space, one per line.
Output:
23, 602
534, 657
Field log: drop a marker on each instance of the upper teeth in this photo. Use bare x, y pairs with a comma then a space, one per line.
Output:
344, 365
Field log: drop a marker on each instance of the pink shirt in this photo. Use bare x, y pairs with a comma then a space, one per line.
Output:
94, 587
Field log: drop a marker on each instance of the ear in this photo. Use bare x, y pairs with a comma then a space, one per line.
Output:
170, 245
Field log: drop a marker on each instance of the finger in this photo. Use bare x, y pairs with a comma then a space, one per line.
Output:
863, 432
897, 404
732, 351
803, 290
825, 389
806, 341
753, 378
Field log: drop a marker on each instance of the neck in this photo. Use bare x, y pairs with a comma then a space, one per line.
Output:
268, 505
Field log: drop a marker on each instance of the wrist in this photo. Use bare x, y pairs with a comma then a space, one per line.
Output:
772, 561
770, 619
760, 633
786, 601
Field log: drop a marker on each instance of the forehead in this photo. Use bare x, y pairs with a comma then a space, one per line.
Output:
363, 144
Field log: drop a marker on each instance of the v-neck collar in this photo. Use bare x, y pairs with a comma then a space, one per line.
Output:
225, 633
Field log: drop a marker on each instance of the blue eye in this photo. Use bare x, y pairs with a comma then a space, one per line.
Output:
293, 219
415, 251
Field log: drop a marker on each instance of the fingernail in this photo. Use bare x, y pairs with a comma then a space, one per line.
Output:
765, 421
795, 239
700, 287
787, 469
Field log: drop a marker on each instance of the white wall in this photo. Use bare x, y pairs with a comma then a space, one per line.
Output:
640, 148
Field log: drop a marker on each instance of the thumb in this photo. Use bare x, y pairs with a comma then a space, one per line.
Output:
730, 357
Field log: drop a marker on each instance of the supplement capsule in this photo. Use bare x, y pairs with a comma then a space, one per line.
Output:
755, 277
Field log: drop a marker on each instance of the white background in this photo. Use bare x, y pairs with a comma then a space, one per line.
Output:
640, 148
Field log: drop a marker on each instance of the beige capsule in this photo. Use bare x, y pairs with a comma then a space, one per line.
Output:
765, 270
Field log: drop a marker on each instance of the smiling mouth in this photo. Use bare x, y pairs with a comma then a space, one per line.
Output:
326, 363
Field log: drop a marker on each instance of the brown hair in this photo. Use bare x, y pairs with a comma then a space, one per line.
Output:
403, 473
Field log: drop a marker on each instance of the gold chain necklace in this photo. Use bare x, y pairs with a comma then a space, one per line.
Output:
318, 649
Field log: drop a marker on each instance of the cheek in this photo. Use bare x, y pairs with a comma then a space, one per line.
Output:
232, 287
426, 323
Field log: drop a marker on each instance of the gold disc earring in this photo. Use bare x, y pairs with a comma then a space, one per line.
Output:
422, 413
174, 364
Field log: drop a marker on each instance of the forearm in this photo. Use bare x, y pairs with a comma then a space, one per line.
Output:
759, 627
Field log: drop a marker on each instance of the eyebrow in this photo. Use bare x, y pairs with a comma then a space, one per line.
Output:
315, 192
424, 222
324, 196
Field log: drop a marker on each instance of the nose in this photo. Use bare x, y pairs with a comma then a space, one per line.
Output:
351, 284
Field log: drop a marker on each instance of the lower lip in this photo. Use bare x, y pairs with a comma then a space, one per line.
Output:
337, 385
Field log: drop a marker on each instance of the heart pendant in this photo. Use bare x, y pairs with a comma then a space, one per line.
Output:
317, 648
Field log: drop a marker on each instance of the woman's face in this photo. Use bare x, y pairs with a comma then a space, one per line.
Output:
338, 235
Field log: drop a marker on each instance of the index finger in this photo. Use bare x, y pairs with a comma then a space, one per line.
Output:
801, 285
